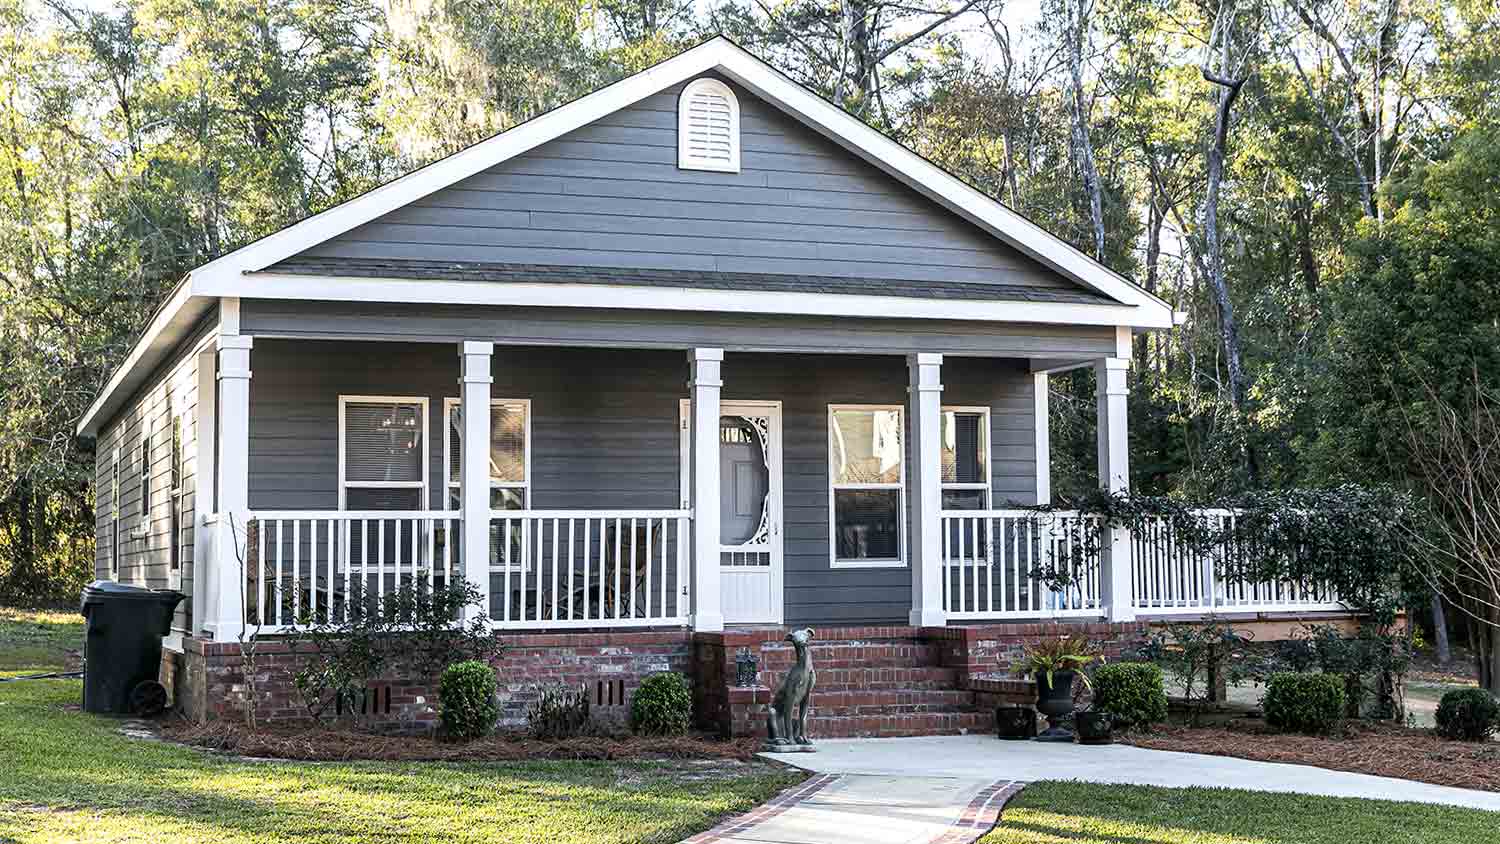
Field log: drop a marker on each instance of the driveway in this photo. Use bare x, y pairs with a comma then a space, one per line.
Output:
976, 758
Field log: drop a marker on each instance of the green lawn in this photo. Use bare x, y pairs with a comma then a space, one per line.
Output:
39, 640
1051, 812
68, 776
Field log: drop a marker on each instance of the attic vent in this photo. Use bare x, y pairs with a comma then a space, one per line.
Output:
708, 127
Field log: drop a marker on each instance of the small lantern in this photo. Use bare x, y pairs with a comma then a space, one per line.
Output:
746, 668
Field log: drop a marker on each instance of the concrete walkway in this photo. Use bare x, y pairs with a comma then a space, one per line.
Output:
860, 809
976, 758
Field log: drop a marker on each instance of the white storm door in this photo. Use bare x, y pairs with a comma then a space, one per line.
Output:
750, 554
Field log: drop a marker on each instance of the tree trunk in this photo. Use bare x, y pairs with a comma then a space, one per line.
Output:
1440, 630
1083, 148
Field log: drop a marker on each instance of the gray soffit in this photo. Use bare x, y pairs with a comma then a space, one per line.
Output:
478, 271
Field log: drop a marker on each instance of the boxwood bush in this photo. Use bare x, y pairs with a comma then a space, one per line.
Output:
662, 706
466, 700
1132, 692
1468, 715
1304, 703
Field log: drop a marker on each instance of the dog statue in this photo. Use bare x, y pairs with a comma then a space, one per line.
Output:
786, 723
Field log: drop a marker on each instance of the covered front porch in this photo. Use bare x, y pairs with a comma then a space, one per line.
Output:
845, 489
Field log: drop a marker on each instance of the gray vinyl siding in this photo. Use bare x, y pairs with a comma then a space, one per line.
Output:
605, 435
610, 194
145, 559
669, 329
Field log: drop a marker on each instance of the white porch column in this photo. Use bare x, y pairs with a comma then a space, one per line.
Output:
474, 473
1114, 476
705, 385
925, 403
227, 617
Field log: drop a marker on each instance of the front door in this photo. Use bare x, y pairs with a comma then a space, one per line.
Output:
749, 508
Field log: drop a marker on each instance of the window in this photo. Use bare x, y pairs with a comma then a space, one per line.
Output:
382, 453
510, 453
145, 464
114, 514
867, 490
964, 446
708, 127
176, 495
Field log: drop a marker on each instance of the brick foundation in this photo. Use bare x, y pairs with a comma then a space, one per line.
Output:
872, 681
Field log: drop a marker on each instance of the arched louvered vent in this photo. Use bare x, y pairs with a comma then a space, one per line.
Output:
708, 127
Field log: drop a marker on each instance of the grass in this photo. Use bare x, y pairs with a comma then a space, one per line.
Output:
1081, 813
69, 776
39, 640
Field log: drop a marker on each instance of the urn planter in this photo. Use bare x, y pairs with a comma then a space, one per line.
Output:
1054, 698
1015, 723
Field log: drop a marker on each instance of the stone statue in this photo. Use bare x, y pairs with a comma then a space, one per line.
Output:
786, 723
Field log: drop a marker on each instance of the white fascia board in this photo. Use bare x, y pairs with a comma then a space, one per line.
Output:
267, 285
164, 331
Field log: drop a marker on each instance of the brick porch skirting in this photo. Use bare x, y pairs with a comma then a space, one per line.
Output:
872, 680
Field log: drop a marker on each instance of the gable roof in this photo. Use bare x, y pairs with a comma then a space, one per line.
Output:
251, 270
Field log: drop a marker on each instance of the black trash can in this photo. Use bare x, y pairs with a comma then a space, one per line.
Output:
122, 646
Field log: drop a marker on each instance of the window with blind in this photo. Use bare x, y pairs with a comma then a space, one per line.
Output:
708, 127
964, 447
114, 514
510, 453
382, 453
867, 489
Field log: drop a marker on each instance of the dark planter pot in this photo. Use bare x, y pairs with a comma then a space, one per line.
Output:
1095, 727
1015, 723
1055, 700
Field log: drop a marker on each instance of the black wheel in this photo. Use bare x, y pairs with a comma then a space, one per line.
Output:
148, 698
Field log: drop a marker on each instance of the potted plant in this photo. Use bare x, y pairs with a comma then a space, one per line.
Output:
1094, 726
1054, 664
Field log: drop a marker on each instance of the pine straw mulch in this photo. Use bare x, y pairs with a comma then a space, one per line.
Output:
1385, 750
320, 744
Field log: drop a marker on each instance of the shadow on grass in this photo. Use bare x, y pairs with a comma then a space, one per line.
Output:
67, 768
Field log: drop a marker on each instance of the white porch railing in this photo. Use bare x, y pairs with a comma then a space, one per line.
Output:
998, 562
559, 569
1173, 578
317, 563
993, 558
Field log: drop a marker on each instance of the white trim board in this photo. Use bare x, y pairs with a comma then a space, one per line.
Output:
226, 275
642, 297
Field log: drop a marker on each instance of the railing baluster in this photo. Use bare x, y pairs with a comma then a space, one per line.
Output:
260, 569
571, 566
279, 569
647, 590
588, 563
505, 567
633, 558
947, 523
554, 567
617, 568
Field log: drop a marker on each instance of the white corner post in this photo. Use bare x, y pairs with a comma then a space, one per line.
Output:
1114, 476
1041, 421
474, 474
925, 403
705, 385
231, 547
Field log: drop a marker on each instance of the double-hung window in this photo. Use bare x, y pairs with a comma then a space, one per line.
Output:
114, 515
510, 453
964, 445
382, 453
144, 528
867, 485
509, 470
175, 493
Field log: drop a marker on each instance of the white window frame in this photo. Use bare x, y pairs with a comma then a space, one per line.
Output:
899, 485
685, 161
987, 486
345, 485
449, 484
143, 452
177, 471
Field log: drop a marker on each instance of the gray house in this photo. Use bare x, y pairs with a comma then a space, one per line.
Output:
739, 360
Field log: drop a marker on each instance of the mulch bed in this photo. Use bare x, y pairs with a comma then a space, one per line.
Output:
1385, 750
320, 744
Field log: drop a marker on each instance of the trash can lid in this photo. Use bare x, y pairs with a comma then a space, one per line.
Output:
109, 590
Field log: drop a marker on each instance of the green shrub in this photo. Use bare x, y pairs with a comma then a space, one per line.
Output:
1132, 692
466, 699
560, 712
1304, 703
1468, 715
663, 705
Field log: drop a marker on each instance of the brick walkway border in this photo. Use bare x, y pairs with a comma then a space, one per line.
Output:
982, 813
765, 811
